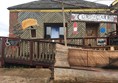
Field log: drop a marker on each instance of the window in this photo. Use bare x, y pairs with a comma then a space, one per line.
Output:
61, 32
54, 30
33, 32
48, 32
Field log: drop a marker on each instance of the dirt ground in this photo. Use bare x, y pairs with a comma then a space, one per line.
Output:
61, 75
83, 75
21, 75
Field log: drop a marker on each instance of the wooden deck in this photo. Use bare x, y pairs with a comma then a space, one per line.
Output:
28, 52
40, 52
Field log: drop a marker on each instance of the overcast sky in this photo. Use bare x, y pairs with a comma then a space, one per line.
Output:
4, 15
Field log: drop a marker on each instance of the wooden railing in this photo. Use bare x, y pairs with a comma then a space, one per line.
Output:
82, 41
97, 43
26, 51
42, 51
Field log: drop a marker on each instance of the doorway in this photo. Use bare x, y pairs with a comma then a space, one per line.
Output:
92, 29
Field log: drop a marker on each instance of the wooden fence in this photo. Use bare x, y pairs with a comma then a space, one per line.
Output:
92, 58
42, 51
29, 52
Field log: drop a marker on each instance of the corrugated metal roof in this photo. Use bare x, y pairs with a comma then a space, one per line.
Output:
55, 4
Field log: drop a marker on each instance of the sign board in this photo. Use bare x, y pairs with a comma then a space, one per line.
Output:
94, 17
102, 30
29, 22
75, 27
101, 41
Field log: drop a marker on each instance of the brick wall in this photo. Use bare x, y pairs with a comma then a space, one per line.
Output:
13, 19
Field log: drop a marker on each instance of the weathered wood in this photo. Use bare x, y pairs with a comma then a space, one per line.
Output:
62, 75
61, 56
92, 58
28, 52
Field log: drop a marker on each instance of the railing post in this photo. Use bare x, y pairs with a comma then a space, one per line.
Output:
2, 53
83, 41
31, 52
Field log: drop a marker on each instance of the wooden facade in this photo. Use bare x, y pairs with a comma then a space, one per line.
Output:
114, 9
50, 20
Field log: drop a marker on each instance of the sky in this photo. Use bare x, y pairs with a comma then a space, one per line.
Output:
4, 15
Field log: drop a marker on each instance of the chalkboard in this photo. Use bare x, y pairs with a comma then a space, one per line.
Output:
113, 41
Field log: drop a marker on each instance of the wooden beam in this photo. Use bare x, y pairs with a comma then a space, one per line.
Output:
60, 10
115, 2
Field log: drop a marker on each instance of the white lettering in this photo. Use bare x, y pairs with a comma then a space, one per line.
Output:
95, 17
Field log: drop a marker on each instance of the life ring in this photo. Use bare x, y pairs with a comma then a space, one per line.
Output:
7, 43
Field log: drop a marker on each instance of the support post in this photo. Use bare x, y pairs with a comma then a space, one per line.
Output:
2, 53
31, 52
65, 39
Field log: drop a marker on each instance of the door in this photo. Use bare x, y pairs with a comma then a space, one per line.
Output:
91, 31
54, 32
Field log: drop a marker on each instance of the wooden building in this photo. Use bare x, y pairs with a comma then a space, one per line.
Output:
44, 19
114, 9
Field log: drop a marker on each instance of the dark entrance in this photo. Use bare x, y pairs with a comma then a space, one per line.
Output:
92, 29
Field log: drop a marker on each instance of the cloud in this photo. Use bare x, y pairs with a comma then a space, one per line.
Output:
4, 30
4, 14
106, 2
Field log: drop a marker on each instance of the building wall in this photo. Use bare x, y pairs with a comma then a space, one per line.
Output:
12, 22
53, 17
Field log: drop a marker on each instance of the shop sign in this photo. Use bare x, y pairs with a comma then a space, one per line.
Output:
101, 41
94, 17
75, 27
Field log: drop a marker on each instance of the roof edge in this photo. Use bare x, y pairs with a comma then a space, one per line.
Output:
115, 2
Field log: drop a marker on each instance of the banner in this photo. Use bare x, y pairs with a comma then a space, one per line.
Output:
94, 17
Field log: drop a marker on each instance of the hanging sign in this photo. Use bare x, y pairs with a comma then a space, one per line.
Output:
75, 27
29, 22
94, 17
